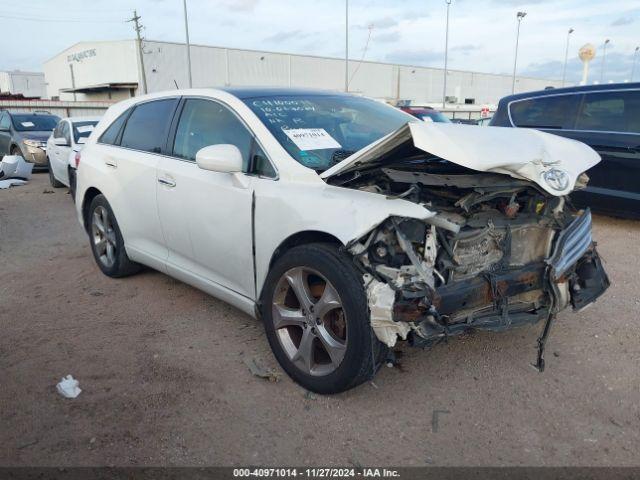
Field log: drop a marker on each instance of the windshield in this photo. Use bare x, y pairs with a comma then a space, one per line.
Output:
34, 123
322, 130
82, 129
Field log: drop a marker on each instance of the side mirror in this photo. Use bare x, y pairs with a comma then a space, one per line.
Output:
61, 142
225, 158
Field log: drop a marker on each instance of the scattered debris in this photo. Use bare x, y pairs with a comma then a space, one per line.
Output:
434, 419
69, 387
310, 395
14, 171
28, 444
46, 190
257, 369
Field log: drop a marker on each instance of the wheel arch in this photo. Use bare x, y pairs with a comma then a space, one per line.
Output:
296, 239
89, 195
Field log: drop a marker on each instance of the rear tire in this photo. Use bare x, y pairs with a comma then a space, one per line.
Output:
106, 240
324, 342
55, 183
72, 184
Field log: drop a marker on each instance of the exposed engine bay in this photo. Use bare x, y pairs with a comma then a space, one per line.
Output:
501, 252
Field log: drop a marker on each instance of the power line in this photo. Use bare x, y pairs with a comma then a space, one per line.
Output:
56, 20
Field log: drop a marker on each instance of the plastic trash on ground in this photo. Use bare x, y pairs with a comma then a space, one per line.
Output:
69, 387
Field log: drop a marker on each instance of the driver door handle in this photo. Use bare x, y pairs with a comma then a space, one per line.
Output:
167, 182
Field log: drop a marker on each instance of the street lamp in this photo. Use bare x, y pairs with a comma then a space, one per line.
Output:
566, 55
186, 31
446, 52
633, 68
604, 59
346, 46
519, 16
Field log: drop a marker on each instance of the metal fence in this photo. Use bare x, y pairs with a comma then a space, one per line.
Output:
56, 107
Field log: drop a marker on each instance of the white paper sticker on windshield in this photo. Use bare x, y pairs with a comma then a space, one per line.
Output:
312, 138
28, 124
427, 119
85, 128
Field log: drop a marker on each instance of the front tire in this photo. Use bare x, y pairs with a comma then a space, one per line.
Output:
72, 183
316, 318
106, 240
55, 183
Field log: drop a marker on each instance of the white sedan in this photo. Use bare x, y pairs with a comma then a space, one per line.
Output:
63, 145
343, 223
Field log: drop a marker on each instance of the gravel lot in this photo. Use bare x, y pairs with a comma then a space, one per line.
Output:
164, 381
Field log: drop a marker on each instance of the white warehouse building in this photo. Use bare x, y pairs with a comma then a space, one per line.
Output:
27, 84
112, 70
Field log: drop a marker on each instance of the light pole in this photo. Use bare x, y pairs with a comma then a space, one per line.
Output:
604, 59
186, 31
566, 55
446, 54
519, 16
633, 67
346, 46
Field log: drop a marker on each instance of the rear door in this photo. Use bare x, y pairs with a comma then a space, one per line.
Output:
132, 161
610, 123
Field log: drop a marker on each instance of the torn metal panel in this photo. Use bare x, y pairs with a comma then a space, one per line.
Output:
552, 162
381, 298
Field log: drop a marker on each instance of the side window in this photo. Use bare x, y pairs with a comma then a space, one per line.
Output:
610, 111
203, 123
110, 135
5, 122
65, 133
147, 126
555, 111
56, 131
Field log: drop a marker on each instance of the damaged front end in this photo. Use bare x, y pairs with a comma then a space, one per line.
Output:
500, 253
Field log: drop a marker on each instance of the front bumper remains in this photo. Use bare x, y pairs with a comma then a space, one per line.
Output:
573, 274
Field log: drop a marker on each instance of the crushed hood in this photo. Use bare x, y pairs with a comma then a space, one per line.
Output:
551, 161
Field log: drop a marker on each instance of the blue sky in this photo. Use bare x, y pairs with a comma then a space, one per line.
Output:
482, 32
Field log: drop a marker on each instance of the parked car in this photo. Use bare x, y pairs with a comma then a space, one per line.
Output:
345, 224
26, 134
428, 114
605, 117
63, 146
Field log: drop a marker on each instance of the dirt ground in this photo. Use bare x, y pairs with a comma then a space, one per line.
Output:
163, 378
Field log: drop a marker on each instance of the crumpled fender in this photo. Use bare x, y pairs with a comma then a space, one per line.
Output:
283, 209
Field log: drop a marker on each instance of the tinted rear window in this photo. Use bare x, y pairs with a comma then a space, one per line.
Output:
147, 127
610, 112
110, 135
30, 122
555, 112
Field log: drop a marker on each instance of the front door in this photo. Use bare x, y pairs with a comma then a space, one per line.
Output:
205, 215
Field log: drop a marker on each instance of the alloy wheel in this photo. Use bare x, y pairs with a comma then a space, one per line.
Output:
309, 321
103, 236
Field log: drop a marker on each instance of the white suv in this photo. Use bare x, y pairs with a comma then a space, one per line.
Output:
340, 221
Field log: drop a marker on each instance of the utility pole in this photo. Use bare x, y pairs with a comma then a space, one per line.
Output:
633, 67
520, 16
346, 46
186, 31
604, 59
138, 27
446, 56
566, 56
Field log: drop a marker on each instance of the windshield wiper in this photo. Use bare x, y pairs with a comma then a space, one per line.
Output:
339, 155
